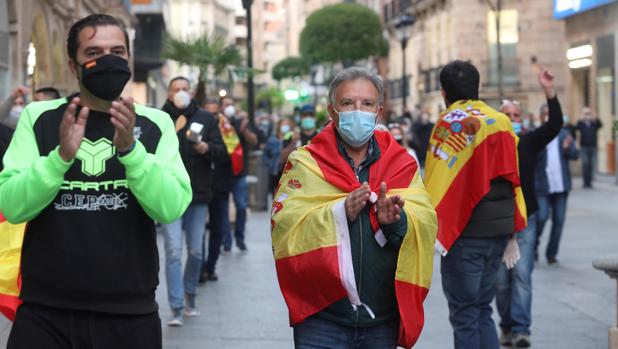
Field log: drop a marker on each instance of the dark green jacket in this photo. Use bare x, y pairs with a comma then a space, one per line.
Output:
374, 266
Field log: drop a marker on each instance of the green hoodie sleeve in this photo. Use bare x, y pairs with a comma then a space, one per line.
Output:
159, 181
29, 181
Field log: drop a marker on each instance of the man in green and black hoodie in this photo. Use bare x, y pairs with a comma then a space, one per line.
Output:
90, 174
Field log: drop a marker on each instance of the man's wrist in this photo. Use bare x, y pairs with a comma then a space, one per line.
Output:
550, 93
128, 150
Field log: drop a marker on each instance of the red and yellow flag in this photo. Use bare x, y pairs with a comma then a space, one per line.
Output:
11, 239
470, 145
232, 144
310, 236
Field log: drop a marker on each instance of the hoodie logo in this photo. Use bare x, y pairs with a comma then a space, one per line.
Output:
94, 155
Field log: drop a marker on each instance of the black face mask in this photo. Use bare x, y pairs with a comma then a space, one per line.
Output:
106, 76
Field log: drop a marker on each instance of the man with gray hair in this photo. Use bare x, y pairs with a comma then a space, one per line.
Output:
353, 229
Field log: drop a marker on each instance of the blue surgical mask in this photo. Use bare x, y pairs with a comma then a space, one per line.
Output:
356, 127
285, 129
517, 127
307, 123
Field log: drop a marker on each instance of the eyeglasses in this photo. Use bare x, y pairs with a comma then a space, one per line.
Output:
511, 101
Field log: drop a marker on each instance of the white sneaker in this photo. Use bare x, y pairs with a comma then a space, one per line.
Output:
191, 312
175, 321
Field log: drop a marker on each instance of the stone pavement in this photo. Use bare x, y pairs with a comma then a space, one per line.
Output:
573, 305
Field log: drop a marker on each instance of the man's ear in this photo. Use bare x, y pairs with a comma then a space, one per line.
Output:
333, 115
380, 114
73, 66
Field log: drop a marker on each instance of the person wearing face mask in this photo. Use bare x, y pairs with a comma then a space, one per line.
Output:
272, 151
397, 132
302, 137
514, 283
472, 175
308, 124
247, 138
200, 145
353, 228
11, 108
91, 173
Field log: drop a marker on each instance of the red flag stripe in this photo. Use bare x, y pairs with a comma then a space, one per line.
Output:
456, 205
307, 286
9, 305
410, 300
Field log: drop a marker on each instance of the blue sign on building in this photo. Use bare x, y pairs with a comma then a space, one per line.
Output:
567, 8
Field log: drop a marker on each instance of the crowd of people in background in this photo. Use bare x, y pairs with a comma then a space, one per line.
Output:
216, 137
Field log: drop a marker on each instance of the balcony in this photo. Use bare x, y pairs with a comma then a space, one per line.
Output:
396, 8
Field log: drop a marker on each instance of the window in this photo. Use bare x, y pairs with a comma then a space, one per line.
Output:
509, 37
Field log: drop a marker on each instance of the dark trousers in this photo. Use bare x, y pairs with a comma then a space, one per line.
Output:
589, 156
469, 274
555, 203
218, 225
316, 333
38, 326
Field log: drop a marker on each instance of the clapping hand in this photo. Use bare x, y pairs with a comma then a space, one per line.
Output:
389, 208
123, 119
72, 130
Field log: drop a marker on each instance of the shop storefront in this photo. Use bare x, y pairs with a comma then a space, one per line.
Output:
592, 36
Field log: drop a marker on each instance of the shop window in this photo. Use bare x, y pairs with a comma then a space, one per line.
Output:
509, 37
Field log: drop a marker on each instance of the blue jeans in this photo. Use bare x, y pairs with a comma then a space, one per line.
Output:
315, 333
192, 222
514, 287
589, 156
240, 192
218, 210
557, 203
469, 273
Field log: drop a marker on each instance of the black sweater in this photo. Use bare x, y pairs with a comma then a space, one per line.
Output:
531, 144
493, 215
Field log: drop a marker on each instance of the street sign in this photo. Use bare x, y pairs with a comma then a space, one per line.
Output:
567, 8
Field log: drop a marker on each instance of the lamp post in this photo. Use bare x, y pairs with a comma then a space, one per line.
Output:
246, 4
402, 30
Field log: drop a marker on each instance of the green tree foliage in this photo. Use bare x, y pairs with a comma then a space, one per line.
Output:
205, 52
271, 98
291, 67
342, 32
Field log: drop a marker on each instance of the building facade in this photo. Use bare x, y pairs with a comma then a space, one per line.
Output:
445, 30
33, 37
190, 19
592, 39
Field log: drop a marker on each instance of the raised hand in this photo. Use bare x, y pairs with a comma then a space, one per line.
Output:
356, 201
546, 80
123, 119
72, 130
201, 147
19, 91
389, 208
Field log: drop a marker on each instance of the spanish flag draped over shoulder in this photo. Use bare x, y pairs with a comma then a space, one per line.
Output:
232, 144
310, 236
11, 239
470, 145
